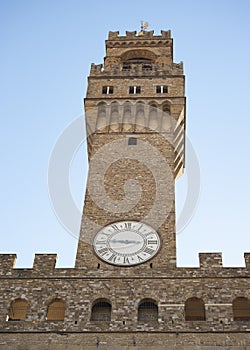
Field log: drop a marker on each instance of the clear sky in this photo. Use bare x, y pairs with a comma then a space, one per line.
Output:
46, 51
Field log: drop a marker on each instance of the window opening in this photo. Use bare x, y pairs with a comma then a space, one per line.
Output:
134, 89
107, 90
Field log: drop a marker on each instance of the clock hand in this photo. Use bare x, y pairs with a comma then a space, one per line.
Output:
126, 241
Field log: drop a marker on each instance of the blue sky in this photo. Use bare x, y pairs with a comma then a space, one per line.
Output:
46, 51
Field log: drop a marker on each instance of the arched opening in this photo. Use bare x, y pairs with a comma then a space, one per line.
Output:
166, 107
140, 117
153, 116
241, 309
127, 117
148, 311
101, 116
56, 310
166, 117
18, 310
194, 309
133, 58
114, 117
101, 310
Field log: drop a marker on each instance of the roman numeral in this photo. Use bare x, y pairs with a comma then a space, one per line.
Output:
139, 258
148, 251
100, 242
125, 260
128, 225
148, 233
104, 233
139, 228
112, 258
152, 241
102, 251
116, 228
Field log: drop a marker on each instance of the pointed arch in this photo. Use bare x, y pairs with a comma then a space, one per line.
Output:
241, 309
56, 310
18, 310
195, 309
101, 310
148, 311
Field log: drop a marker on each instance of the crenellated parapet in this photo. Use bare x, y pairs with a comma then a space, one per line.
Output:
165, 34
210, 261
210, 264
7, 263
247, 260
134, 39
139, 70
44, 262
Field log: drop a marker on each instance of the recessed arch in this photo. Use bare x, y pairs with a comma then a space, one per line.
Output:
153, 103
154, 121
18, 310
148, 311
114, 116
56, 310
195, 309
241, 309
138, 55
101, 115
166, 107
128, 120
101, 310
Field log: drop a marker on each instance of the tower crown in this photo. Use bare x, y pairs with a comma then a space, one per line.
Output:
143, 54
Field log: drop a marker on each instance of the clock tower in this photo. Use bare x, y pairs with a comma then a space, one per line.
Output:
125, 291
135, 117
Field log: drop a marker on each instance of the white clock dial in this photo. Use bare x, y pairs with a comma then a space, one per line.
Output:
126, 243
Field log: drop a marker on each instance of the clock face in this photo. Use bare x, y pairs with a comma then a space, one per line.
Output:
126, 243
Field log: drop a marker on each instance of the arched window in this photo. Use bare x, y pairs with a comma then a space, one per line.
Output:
194, 310
241, 309
18, 310
101, 310
56, 310
147, 311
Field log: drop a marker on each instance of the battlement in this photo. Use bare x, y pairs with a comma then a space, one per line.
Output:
44, 265
159, 70
165, 34
210, 260
141, 39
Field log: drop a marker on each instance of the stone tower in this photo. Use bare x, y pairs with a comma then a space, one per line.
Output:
125, 291
135, 113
